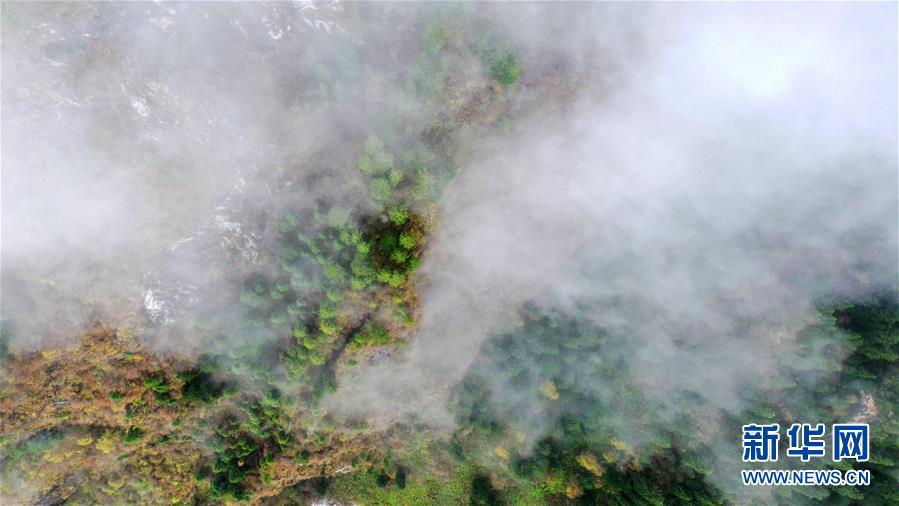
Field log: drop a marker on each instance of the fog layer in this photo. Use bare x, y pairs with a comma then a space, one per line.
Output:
716, 170
692, 176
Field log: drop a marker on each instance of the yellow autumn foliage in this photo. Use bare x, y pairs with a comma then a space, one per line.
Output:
106, 443
573, 490
589, 462
621, 445
54, 457
115, 484
548, 389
